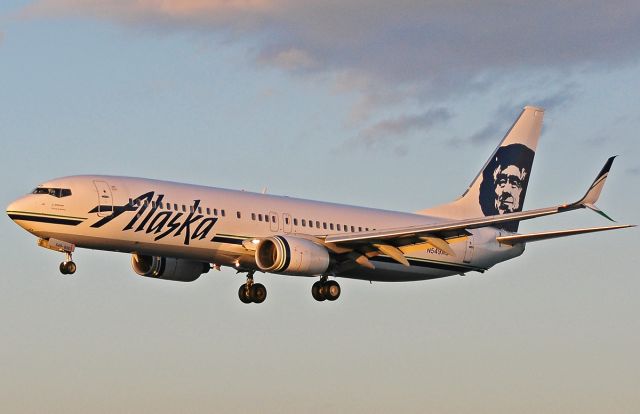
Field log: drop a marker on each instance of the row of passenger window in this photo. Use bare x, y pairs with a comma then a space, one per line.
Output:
308, 223
177, 207
268, 218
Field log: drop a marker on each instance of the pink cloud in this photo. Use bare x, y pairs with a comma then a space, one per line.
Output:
176, 12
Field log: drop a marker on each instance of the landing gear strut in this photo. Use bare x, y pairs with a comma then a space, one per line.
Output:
252, 292
68, 267
325, 290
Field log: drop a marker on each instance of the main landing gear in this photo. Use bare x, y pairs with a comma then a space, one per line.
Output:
251, 292
68, 267
325, 290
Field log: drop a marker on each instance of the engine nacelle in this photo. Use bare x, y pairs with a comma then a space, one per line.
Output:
168, 268
292, 256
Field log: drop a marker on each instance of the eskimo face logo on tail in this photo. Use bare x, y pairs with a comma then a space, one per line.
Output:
161, 223
505, 180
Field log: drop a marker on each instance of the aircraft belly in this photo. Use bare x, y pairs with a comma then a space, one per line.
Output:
210, 254
395, 272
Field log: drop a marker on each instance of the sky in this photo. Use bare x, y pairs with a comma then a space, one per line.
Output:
393, 105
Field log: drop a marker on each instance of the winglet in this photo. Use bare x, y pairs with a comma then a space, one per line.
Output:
593, 193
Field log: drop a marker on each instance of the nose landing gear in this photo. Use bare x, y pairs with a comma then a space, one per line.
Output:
68, 267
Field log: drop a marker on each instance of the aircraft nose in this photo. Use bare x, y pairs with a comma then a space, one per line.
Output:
11, 207
15, 207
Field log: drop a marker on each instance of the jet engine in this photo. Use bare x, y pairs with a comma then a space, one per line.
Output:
292, 256
168, 268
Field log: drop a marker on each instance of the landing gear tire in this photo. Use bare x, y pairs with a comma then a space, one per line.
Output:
258, 293
317, 291
68, 268
243, 294
331, 290
252, 292
325, 290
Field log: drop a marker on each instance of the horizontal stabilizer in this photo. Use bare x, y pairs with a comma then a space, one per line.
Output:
526, 238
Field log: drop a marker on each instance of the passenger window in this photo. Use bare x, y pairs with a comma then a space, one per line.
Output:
274, 219
208, 211
259, 217
168, 205
199, 210
304, 223
222, 212
331, 226
295, 221
266, 218
253, 216
175, 206
353, 229
184, 208
317, 224
338, 227
324, 225
286, 220
238, 214
359, 228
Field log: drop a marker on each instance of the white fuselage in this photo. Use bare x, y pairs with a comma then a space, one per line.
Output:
208, 224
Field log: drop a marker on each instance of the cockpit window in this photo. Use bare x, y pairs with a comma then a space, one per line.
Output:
56, 192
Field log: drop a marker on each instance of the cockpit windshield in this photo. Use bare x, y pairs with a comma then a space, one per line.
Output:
56, 192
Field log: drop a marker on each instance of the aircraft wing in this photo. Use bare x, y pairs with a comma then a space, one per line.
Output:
445, 228
386, 240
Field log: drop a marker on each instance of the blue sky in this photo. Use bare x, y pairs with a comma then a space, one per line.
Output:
370, 103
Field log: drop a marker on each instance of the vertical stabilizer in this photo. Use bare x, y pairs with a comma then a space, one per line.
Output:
501, 185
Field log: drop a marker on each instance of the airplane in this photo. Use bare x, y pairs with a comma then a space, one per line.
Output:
179, 231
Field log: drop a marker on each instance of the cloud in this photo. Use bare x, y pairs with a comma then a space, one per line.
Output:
185, 13
433, 44
390, 129
290, 59
415, 53
635, 171
505, 115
